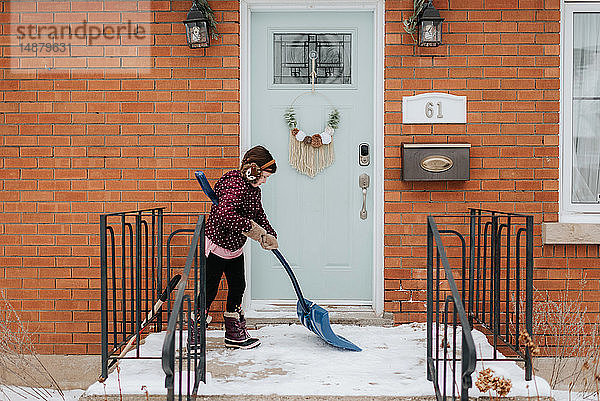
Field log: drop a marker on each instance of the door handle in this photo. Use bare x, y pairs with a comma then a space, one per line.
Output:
363, 183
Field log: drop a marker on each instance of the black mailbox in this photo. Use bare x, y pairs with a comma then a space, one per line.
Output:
435, 161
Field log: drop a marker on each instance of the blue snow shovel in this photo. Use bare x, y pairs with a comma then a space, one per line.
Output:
314, 317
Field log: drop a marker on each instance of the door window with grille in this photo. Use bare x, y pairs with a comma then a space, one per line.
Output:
293, 54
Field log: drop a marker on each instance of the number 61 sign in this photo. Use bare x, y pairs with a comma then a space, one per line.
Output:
434, 108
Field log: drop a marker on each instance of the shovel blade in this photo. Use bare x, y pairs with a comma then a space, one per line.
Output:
317, 321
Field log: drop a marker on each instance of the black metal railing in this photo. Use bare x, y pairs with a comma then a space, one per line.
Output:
490, 263
500, 299
141, 254
453, 315
131, 277
184, 366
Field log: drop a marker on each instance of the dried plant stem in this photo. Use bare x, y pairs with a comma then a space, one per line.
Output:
537, 392
146, 391
575, 340
19, 360
119, 381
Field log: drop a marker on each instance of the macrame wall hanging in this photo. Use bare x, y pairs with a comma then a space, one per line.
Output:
311, 154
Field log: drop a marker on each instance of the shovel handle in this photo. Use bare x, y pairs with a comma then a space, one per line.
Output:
290, 273
201, 177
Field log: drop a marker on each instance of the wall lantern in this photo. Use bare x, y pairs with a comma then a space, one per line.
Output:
430, 26
197, 28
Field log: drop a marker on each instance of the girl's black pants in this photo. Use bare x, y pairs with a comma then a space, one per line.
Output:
234, 274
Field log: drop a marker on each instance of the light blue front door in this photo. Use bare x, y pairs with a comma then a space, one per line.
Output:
318, 220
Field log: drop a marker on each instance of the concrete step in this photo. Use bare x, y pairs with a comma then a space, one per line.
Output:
253, 397
356, 315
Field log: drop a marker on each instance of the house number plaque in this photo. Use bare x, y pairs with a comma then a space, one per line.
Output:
434, 108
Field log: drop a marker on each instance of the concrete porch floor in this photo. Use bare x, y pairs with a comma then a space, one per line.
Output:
87, 368
81, 371
292, 361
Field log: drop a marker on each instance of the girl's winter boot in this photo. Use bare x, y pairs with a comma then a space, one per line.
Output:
193, 332
236, 334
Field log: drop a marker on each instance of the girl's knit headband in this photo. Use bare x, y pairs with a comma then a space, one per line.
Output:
267, 164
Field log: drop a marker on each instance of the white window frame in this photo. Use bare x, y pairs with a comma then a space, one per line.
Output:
570, 212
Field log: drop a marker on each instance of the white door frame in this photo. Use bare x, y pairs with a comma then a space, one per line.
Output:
378, 8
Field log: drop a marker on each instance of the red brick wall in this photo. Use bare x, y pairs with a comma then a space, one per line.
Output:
79, 142
504, 56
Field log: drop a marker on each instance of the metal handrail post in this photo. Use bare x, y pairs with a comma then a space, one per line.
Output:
168, 349
103, 297
159, 261
471, 265
496, 282
201, 293
429, 296
123, 284
469, 356
138, 281
529, 294
466, 358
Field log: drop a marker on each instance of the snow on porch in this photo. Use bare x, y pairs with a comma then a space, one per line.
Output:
294, 361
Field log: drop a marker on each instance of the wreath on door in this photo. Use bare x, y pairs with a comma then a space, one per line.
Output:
311, 154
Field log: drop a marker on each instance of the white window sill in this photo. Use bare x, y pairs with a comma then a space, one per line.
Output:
570, 233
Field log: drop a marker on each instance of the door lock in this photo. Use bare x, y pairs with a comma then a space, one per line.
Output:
363, 183
364, 155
